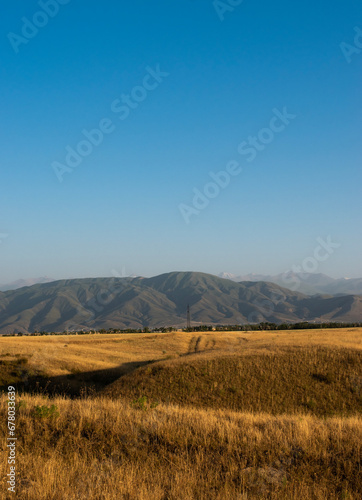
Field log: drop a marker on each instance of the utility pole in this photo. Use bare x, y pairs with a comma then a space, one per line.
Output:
188, 318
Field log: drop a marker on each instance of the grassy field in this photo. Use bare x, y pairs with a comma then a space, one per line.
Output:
240, 415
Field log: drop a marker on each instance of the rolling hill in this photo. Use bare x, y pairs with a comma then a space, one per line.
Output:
96, 303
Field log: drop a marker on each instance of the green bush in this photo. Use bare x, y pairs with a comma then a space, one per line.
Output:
45, 411
142, 403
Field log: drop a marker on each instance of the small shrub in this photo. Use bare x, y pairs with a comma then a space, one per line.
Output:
45, 411
142, 403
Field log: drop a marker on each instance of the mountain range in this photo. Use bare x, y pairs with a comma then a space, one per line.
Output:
308, 283
136, 302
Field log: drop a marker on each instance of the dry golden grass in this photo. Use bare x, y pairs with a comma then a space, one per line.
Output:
322, 381
61, 355
103, 449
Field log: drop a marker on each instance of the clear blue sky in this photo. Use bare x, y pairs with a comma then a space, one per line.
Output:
119, 209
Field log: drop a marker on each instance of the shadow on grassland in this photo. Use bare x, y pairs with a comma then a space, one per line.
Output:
74, 385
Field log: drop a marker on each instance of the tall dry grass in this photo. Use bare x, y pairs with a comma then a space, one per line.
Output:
283, 442
322, 381
103, 449
61, 355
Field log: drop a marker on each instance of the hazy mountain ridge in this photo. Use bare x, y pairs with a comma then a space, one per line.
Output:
21, 283
95, 303
308, 283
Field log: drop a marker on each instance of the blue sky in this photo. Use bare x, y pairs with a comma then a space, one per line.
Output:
218, 77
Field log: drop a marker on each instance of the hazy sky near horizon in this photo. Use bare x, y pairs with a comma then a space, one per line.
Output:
118, 117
